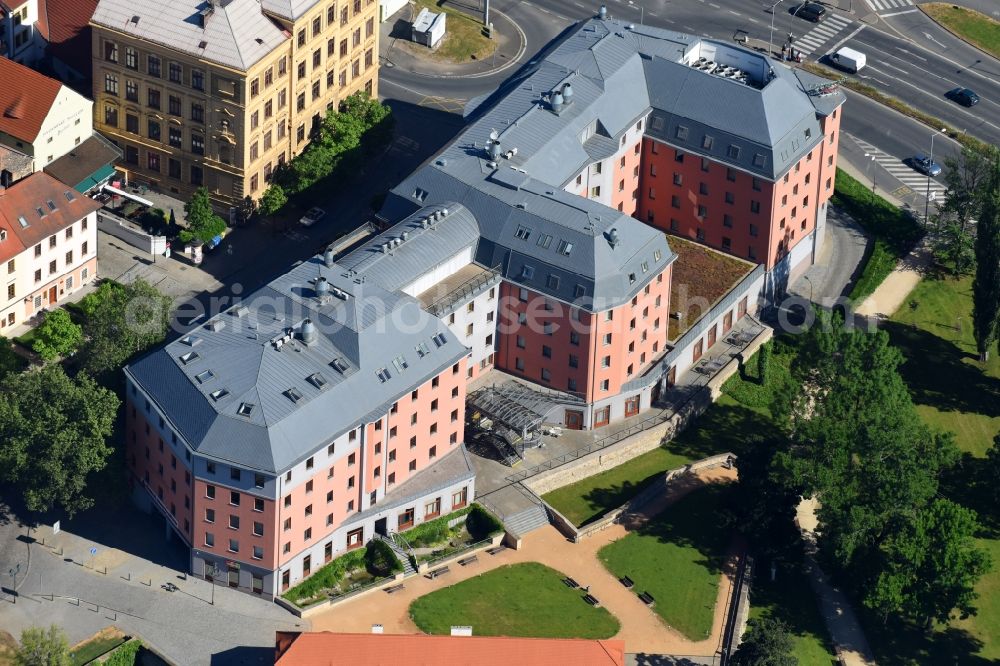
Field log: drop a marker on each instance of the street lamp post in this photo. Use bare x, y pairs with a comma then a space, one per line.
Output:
770, 36
927, 198
871, 158
16, 569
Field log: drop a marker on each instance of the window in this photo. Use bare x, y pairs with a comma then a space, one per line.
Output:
111, 84
175, 139
131, 123
210, 492
209, 515
198, 148
110, 51
234, 498
234, 522
176, 73
234, 546
258, 504
754, 206
153, 130
209, 539
111, 116
131, 58
198, 113
174, 104
258, 552
703, 189
153, 98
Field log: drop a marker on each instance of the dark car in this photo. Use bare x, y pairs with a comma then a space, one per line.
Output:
810, 11
963, 96
926, 165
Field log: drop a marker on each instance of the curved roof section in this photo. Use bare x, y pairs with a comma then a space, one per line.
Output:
237, 34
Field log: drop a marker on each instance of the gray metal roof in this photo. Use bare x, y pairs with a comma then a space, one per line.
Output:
237, 34
288, 9
236, 396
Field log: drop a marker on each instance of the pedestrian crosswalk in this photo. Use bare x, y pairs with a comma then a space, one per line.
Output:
902, 172
821, 34
886, 5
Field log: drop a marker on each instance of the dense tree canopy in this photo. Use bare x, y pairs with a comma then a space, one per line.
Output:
767, 642
57, 336
202, 223
966, 179
121, 321
53, 434
986, 284
43, 647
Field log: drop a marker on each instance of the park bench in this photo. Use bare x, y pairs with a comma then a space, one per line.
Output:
394, 588
647, 599
496, 549
437, 572
626, 581
570, 583
592, 600
468, 560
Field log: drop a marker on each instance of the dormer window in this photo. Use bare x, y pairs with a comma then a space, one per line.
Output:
219, 394
189, 357
245, 409
317, 380
523, 232
565, 248
293, 394
204, 376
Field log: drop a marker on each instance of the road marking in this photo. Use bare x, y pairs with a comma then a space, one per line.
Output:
883, 5
688, 28
905, 11
898, 69
734, 13
753, 20
845, 39
896, 168
579, 4
910, 53
714, 6
819, 35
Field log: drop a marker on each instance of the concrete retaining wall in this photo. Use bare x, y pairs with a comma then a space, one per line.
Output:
111, 224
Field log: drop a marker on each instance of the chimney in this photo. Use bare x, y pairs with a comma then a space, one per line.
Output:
328, 257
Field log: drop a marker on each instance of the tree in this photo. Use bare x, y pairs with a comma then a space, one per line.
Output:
273, 200
53, 432
57, 336
767, 642
930, 566
10, 361
121, 321
43, 647
764, 361
986, 284
990, 479
965, 179
202, 223
762, 504
857, 442
246, 209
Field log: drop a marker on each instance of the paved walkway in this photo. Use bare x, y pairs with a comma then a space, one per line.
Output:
642, 629
845, 630
889, 295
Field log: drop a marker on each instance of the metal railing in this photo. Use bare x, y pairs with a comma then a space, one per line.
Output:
358, 588
471, 286
432, 563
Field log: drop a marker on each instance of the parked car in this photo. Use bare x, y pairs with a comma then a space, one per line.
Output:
312, 216
963, 96
925, 165
811, 11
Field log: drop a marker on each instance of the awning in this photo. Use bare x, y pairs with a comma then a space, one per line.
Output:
127, 195
95, 179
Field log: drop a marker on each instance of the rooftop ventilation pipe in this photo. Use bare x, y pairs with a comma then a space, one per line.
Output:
322, 288
602, 13
308, 331
567, 93
328, 257
444, 213
613, 238
403, 237
493, 150
557, 102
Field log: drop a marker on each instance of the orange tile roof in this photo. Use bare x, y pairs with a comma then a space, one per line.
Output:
10, 244
68, 19
25, 99
25, 197
326, 649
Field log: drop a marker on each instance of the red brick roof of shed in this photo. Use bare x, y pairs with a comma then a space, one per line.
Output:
326, 649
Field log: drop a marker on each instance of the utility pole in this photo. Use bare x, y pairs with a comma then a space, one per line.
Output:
770, 37
927, 198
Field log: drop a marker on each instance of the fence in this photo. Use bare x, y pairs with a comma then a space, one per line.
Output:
464, 291
122, 229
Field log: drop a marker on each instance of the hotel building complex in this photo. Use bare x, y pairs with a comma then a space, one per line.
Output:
330, 405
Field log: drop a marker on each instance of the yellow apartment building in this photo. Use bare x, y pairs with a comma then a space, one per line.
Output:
220, 92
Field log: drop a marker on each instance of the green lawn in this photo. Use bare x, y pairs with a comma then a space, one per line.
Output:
790, 600
591, 498
527, 599
94, 649
952, 390
678, 558
968, 24
464, 39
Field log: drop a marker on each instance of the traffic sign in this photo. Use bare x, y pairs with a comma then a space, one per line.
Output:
93, 550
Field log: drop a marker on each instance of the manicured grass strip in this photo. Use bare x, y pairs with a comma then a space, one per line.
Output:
678, 558
952, 390
526, 599
972, 26
893, 231
985, 625
893, 103
591, 498
94, 649
790, 599
464, 39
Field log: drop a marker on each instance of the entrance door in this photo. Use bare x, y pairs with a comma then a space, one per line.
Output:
234, 578
631, 406
573, 419
380, 526
711, 336
727, 322
53, 295
672, 376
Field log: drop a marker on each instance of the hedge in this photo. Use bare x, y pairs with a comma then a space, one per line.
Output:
125, 655
380, 559
482, 524
434, 531
327, 577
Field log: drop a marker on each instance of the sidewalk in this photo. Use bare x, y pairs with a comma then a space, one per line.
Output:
845, 631
889, 295
642, 629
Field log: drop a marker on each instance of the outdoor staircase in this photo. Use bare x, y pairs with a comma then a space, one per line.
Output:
402, 550
530, 519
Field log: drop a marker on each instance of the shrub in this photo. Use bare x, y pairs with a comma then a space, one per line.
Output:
125, 655
57, 336
434, 532
327, 577
482, 524
380, 559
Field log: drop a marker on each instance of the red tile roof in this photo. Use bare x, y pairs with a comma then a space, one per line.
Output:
69, 19
26, 197
25, 99
10, 244
42, 24
326, 649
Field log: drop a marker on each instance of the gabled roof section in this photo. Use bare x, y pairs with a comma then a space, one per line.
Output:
236, 33
26, 98
288, 9
39, 206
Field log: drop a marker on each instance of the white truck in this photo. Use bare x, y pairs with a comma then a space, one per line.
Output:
849, 60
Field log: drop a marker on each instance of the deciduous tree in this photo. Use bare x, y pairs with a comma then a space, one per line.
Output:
930, 566
202, 223
986, 284
43, 647
53, 432
121, 321
273, 200
966, 179
767, 642
57, 336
